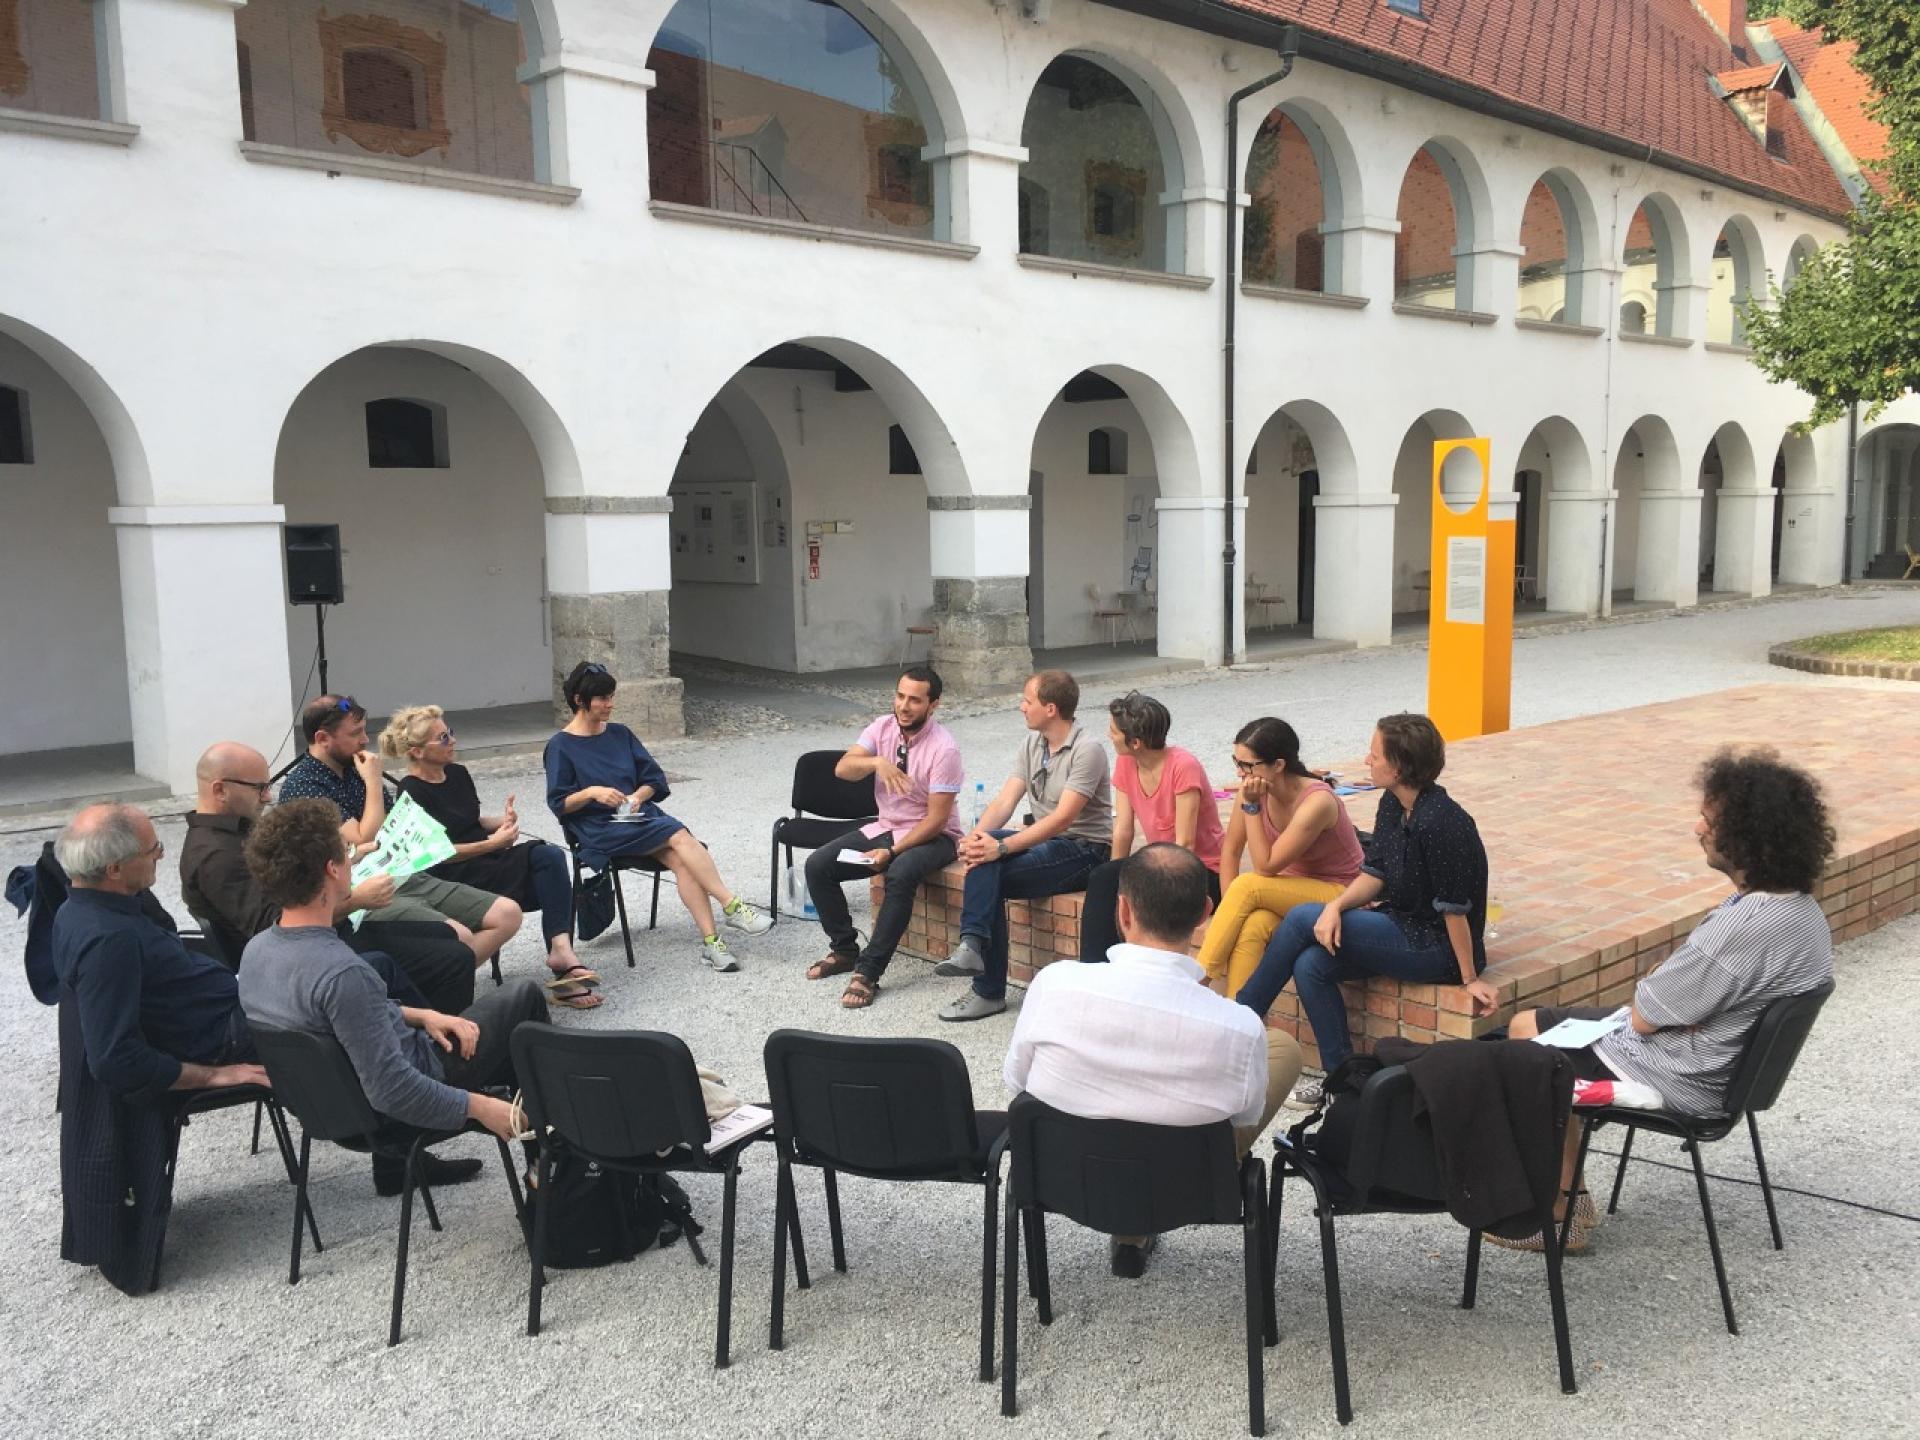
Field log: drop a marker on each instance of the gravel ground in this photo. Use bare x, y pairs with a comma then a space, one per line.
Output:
227, 1346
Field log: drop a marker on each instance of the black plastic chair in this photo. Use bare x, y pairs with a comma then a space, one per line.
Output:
313, 1078
884, 1109
1766, 1060
624, 1100
1391, 1168
1124, 1178
618, 866
825, 807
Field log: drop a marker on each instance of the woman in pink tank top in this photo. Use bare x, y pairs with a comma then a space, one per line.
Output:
1299, 838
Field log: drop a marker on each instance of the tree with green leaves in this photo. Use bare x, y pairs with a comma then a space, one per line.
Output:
1847, 330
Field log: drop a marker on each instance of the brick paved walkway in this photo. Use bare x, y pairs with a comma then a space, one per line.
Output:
1588, 825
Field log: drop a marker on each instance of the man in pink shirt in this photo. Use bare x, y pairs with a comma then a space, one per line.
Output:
915, 766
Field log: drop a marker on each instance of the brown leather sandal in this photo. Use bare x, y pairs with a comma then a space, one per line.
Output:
860, 993
830, 965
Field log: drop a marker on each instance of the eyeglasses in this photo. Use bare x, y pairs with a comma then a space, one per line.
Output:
259, 787
1245, 767
445, 737
152, 852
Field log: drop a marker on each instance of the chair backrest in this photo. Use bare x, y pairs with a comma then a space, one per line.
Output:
818, 791
1772, 1048
313, 1078
611, 1094
1391, 1158
885, 1106
1119, 1176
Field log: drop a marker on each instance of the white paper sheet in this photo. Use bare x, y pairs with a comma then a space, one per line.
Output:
1579, 1034
854, 857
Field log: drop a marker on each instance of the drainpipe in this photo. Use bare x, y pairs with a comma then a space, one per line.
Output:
1853, 466
1289, 47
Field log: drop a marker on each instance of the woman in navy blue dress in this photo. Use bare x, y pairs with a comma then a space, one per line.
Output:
605, 788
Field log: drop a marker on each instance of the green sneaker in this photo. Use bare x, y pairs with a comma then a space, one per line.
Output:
715, 955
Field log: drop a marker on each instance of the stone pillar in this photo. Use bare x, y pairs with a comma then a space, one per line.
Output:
1667, 554
1588, 289
1353, 567
606, 558
1358, 255
1192, 537
1573, 549
203, 600
573, 93
1743, 540
1803, 551
1687, 307
1197, 216
1487, 279
979, 552
975, 187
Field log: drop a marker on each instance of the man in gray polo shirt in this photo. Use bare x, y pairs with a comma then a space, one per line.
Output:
300, 975
1061, 775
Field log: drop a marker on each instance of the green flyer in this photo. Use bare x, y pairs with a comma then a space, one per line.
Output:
410, 841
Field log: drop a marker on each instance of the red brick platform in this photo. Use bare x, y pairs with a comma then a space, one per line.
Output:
1588, 826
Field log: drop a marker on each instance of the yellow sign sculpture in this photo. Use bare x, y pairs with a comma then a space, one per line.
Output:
1470, 619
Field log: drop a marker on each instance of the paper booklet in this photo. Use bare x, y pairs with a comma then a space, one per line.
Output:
732, 1129
411, 840
1579, 1034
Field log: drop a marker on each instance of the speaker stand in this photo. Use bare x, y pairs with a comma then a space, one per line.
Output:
320, 644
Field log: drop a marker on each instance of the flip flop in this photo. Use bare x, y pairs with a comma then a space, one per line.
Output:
860, 993
580, 998
830, 965
573, 975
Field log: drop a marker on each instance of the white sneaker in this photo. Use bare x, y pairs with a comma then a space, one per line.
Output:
714, 954
964, 962
743, 917
1306, 1095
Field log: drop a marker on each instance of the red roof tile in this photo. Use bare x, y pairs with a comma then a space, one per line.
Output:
1836, 85
1754, 77
1636, 69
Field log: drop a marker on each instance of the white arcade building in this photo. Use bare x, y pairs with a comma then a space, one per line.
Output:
761, 330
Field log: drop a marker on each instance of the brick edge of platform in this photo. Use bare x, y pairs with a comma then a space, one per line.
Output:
1791, 658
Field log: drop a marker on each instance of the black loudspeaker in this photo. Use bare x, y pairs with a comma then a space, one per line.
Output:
313, 565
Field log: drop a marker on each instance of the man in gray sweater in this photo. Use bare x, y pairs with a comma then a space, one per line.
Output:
300, 975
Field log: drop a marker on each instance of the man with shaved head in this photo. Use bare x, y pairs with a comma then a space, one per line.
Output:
435, 966
154, 1015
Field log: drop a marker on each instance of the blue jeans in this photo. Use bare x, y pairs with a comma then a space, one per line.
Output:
1370, 944
1053, 867
550, 877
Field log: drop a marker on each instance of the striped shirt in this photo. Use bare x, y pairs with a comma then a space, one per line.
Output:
1750, 951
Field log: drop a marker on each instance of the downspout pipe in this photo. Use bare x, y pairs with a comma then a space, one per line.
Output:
1289, 47
1853, 477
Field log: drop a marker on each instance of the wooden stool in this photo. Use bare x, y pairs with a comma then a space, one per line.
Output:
906, 650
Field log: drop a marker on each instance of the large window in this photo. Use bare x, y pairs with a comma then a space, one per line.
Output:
1091, 186
434, 84
1425, 267
1281, 240
47, 62
1651, 261
789, 110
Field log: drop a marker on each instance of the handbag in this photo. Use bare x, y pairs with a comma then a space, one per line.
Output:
593, 904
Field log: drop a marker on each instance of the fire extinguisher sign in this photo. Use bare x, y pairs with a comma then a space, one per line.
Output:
813, 559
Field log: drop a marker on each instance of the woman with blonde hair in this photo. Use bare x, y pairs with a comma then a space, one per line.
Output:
1303, 846
488, 852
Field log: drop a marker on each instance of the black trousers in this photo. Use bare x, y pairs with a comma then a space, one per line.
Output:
1100, 910
438, 965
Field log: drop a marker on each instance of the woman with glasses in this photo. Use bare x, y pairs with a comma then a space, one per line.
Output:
606, 791
488, 852
1296, 832
1160, 790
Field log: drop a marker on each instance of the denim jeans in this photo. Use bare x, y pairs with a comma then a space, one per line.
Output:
1053, 867
825, 876
1371, 943
550, 877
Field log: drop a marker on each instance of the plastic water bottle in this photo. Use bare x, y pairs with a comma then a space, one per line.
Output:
979, 804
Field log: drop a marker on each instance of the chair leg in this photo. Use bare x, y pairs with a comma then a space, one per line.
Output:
1039, 1282
653, 914
1336, 1317
782, 1209
1713, 1236
620, 907
538, 1281
1556, 1293
300, 1208
800, 1279
1579, 1171
1254, 1242
1010, 1311
833, 1221
1275, 1194
721, 1356
1766, 1185
992, 1207
400, 1252
283, 1139
1470, 1287
175, 1126
513, 1185
426, 1199
258, 1107
1620, 1168
773, 880
494, 960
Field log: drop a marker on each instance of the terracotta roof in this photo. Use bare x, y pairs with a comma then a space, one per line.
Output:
1636, 69
1836, 85
1754, 77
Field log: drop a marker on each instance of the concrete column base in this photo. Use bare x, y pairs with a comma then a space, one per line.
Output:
982, 639
626, 631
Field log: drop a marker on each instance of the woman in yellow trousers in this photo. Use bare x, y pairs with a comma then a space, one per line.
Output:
1302, 844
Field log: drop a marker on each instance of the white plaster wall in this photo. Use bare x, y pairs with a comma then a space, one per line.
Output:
443, 567
61, 649
1273, 526
1081, 520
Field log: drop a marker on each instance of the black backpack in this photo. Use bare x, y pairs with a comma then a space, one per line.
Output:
598, 1215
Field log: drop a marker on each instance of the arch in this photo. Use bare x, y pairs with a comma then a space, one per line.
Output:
1558, 233
1633, 317
1297, 135
1887, 501
1413, 515
1304, 453
1556, 523
1803, 249
1442, 210
1105, 185
1641, 547
806, 110
133, 481
1733, 506
1657, 261
1738, 279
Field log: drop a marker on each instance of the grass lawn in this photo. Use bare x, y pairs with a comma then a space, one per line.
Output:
1900, 643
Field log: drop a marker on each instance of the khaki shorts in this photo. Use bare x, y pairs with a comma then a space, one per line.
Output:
427, 897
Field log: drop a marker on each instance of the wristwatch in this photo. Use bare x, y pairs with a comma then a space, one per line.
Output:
1253, 809
999, 849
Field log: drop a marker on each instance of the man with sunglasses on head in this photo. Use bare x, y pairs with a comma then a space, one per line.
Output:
914, 763
339, 767
434, 965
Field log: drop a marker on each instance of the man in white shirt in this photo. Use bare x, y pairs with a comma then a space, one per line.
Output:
1142, 1038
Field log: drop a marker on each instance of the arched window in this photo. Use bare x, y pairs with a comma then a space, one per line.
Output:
1425, 271
1281, 242
406, 435
47, 62
16, 432
1544, 234
1654, 259
1094, 169
1804, 249
1736, 274
1633, 318
789, 110
1107, 451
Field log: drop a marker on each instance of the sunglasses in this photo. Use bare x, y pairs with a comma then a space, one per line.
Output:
593, 667
900, 755
445, 737
346, 704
